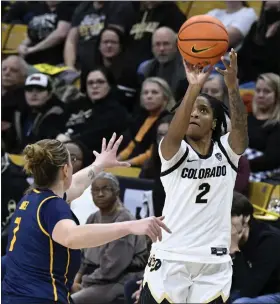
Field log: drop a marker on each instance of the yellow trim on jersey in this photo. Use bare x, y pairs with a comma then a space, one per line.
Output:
158, 300
51, 244
66, 272
36, 191
219, 294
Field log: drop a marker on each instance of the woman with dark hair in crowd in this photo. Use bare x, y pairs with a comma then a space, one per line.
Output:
96, 115
110, 54
261, 48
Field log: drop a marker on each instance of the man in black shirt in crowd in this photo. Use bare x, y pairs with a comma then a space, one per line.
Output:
255, 250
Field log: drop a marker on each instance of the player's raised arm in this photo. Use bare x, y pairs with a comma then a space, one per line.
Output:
180, 122
238, 138
106, 159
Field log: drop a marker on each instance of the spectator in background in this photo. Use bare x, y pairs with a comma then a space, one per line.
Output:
155, 99
80, 155
167, 62
264, 129
260, 51
46, 33
14, 73
150, 16
106, 268
97, 115
88, 20
43, 117
255, 248
237, 18
110, 54
215, 86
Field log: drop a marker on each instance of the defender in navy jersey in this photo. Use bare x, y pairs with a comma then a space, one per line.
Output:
37, 265
199, 167
43, 253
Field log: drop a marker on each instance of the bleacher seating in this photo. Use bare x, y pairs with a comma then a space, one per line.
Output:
12, 36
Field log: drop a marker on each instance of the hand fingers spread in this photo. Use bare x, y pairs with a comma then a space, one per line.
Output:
95, 153
117, 143
233, 57
123, 164
111, 142
103, 148
222, 72
225, 63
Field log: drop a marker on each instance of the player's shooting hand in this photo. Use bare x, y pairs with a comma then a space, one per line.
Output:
150, 226
108, 156
197, 75
230, 73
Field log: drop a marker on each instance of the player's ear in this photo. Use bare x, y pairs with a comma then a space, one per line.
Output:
65, 170
214, 123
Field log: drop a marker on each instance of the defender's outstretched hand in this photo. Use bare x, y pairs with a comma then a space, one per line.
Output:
150, 226
230, 73
107, 158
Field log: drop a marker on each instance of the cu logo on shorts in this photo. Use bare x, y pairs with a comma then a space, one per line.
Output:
154, 264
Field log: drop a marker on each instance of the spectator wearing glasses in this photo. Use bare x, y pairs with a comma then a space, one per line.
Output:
110, 54
41, 117
96, 115
105, 269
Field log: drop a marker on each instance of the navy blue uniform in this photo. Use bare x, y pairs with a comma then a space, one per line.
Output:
39, 270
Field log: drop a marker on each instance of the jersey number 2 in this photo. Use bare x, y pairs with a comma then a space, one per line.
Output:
205, 188
17, 222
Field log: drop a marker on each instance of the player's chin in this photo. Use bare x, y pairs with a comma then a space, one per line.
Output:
194, 132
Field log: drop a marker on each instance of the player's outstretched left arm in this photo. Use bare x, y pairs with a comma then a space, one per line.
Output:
106, 159
238, 138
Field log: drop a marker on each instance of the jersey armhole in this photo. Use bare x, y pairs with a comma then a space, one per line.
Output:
222, 148
177, 165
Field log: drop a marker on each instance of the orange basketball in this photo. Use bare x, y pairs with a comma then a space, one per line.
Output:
202, 40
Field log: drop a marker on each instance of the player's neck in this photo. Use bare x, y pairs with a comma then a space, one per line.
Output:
58, 190
201, 146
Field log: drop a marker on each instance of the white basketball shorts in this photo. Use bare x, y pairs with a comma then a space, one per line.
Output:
187, 282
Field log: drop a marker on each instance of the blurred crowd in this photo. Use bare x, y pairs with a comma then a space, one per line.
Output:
90, 68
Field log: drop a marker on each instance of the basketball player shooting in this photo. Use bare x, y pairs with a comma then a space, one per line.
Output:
199, 166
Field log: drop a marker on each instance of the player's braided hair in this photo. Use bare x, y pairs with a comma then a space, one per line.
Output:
220, 111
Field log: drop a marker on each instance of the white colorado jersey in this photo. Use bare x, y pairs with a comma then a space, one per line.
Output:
197, 209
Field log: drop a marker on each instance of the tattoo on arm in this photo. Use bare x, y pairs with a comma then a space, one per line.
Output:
239, 134
91, 174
